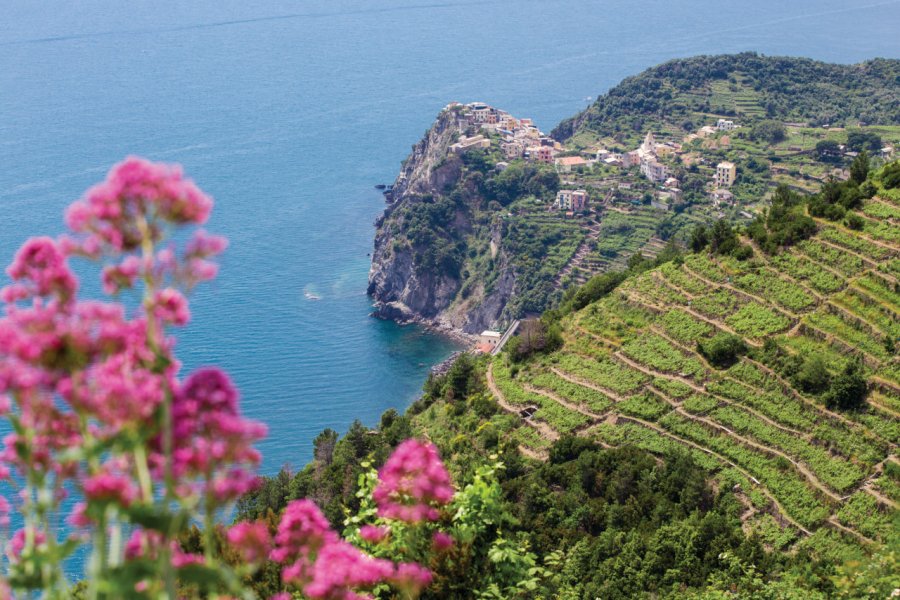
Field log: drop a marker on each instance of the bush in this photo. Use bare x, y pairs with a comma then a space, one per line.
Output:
848, 390
855, 222
813, 377
768, 131
723, 350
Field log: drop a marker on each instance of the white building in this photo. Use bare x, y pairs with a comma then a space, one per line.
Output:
654, 170
724, 125
491, 338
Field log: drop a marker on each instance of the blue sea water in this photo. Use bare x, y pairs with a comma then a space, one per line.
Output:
288, 112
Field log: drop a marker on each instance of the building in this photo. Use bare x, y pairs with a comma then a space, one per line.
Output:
631, 159
489, 338
480, 111
574, 200
720, 197
464, 143
725, 175
649, 145
567, 163
542, 154
654, 170
723, 125
513, 149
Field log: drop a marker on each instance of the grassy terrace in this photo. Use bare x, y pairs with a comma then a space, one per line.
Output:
630, 373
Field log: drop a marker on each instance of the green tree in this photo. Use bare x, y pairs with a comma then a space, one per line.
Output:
828, 150
813, 376
848, 390
859, 169
699, 238
769, 131
723, 350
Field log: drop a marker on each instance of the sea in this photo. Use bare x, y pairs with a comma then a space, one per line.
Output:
290, 112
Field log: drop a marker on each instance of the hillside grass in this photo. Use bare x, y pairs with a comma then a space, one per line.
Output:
630, 373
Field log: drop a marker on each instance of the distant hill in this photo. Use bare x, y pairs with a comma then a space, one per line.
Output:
470, 239
749, 86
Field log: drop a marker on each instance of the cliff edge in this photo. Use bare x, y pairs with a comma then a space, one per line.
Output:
424, 239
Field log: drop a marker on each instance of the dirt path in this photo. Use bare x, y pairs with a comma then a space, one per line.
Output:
834, 523
563, 402
886, 245
542, 428
789, 390
577, 258
783, 513
758, 299
582, 382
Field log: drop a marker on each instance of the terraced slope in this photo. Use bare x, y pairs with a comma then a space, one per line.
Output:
630, 373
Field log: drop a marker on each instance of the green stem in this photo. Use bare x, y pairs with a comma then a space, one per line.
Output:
154, 342
143, 473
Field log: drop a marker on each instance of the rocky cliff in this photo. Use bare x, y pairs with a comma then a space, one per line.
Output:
429, 231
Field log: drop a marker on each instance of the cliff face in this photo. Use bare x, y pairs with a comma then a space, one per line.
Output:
405, 280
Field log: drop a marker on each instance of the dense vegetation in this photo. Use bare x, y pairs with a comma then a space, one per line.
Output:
715, 424
777, 88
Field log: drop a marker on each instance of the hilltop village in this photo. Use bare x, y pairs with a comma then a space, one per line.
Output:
521, 139
613, 176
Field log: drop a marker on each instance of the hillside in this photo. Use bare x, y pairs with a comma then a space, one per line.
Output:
715, 424
797, 336
474, 235
745, 85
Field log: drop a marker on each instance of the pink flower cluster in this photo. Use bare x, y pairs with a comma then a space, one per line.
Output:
84, 374
115, 213
413, 483
251, 540
212, 441
326, 567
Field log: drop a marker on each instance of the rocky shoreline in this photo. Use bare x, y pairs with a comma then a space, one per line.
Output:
390, 312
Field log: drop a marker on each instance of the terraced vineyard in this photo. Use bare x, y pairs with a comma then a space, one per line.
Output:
630, 372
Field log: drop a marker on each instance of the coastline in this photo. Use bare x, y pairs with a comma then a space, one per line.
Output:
458, 336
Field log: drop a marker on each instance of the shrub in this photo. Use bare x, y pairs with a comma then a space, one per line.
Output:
848, 390
723, 350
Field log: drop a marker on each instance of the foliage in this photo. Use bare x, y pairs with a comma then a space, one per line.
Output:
770, 132
723, 350
848, 390
534, 335
783, 88
784, 224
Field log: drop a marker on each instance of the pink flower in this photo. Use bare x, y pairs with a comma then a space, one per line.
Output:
122, 276
4, 512
41, 262
184, 559
373, 534
303, 530
109, 487
78, 517
341, 568
18, 542
111, 212
251, 540
441, 541
212, 438
411, 578
412, 483
171, 307
204, 245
